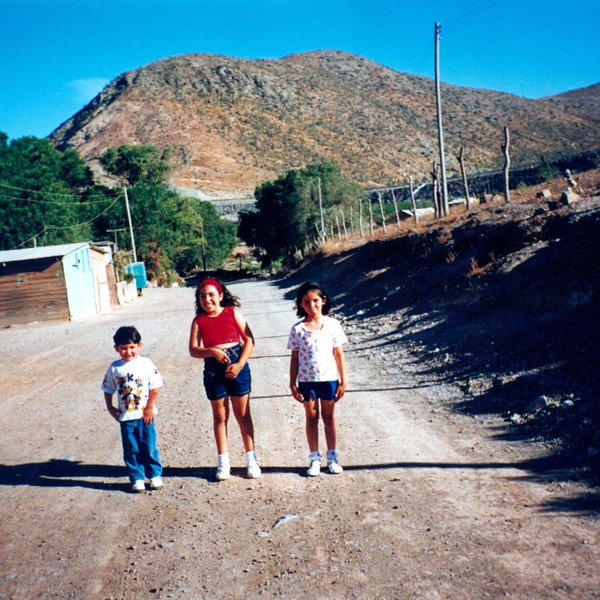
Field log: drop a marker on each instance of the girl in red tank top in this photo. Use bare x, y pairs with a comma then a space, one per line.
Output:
221, 336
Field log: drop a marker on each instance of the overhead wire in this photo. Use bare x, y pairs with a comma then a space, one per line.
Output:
456, 21
469, 13
117, 191
70, 203
55, 228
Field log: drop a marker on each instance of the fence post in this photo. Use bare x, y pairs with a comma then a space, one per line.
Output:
382, 212
396, 208
414, 202
505, 149
461, 162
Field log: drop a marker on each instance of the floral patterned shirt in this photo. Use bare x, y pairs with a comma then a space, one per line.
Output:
316, 361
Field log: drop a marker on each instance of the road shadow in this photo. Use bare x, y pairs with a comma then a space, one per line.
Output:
65, 473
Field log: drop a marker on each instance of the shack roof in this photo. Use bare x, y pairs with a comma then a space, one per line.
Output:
41, 252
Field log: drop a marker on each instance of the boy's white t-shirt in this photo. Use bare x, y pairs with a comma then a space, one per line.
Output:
132, 382
316, 361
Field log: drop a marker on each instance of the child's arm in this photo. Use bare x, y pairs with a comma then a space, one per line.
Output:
148, 415
108, 399
247, 336
340, 360
199, 351
294, 376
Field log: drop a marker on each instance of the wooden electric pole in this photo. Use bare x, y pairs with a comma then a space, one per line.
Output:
321, 211
130, 224
438, 101
506, 151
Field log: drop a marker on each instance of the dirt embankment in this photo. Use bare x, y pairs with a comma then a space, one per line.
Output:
503, 301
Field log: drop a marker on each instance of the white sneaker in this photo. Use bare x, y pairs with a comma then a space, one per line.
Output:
138, 486
223, 472
156, 483
314, 469
334, 467
253, 470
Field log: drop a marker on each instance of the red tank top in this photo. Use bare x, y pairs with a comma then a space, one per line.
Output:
216, 331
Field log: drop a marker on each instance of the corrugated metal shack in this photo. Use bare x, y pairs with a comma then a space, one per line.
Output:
62, 282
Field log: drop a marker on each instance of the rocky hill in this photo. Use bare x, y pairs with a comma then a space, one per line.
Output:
236, 123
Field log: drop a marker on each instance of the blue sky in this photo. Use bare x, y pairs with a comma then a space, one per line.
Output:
57, 54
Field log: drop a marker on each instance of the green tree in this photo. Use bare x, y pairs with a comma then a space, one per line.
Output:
43, 194
169, 230
287, 212
207, 239
142, 163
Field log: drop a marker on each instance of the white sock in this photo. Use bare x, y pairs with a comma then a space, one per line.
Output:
314, 456
332, 455
224, 459
251, 456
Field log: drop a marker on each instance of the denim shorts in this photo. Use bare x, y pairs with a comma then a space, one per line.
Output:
218, 386
318, 390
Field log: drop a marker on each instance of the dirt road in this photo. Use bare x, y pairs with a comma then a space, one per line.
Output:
431, 504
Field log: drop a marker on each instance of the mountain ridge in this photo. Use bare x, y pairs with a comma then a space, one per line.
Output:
235, 123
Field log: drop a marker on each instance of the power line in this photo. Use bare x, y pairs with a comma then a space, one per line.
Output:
71, 203
469, 13
54, 228
60, 194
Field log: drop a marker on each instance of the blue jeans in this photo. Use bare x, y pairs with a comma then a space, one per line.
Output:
140, 451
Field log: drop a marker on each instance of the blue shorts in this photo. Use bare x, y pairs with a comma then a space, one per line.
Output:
318, 390
218, 386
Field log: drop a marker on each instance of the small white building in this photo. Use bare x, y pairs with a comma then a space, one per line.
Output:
63, 282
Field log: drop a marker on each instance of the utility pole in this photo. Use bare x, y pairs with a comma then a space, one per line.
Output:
203, 243
321, 211
130, 224
115, 232
438, 100
505, 149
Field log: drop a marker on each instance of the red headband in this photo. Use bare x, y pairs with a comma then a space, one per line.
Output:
212, 282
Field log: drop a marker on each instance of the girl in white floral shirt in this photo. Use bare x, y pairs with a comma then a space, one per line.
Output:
317, 370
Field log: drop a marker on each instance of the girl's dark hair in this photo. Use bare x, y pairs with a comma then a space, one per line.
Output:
311, 286
127, 334
228, 298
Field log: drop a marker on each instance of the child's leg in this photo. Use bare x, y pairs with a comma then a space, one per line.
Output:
329, 423
241, 410
328, 410
220, 411
131, 450
311, 408
149, 450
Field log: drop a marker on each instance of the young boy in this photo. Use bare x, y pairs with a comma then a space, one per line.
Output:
137, 382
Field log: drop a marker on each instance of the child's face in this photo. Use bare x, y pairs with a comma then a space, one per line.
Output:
210, 299
312, 303
128, 351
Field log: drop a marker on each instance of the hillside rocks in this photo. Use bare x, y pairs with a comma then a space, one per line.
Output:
234, 124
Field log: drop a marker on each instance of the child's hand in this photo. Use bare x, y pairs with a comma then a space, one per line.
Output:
339, 394
233, 370
296, 393
221, 356
148, 415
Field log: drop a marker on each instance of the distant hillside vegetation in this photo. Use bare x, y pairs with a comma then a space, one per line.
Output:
234, 124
